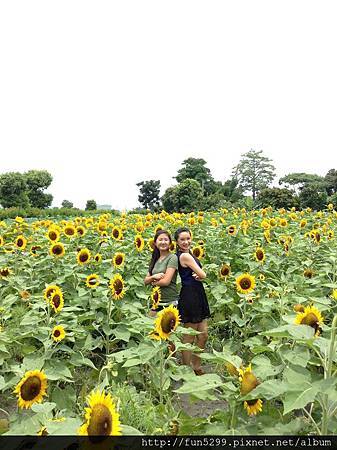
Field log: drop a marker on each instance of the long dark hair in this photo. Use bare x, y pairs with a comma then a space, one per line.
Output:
156, 252
178, 232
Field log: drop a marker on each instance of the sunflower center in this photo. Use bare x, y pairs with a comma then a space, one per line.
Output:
56, 300
20, 242
52, 235
224, 271
311, 320
57, 250
167, 323
196, 252
259, 255
92, 281
139, 242
69, 231
115, 234
245, 283
84, 257
57, 333
118, 286
30, 388
5, 272
119, 260
252, 402
100, 421
156, 296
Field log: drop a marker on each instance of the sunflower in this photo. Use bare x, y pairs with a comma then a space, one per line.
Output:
225, 271
310, 316
58, 333
245, 283
31, 388
80, 230
69, 230
139, 242
24, 295
56, 301
92, 280
83, 256
151, 245
35, 249
198, 252
2, 241
117, 233
5, 272
231, 230
57, 250
231, 369
101, 417
334, 294
53, 235
158, 227
117, 286
167, 321
308, 273
21, 242
248, 383
50, 290
118, 259
155, 297
98, 258
298, 307
260, 255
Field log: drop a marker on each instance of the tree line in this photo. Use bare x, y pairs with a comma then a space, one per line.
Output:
249, 186
27, 190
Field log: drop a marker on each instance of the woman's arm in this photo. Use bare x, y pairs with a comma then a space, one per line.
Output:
152, 278
167, 278
188, 260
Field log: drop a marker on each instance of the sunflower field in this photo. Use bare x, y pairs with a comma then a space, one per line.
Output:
79, 353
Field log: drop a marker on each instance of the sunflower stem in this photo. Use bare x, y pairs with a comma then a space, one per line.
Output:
161, 375
233, 417
328, 373
312, 420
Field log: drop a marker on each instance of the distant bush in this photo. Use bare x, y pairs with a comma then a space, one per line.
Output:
36, 213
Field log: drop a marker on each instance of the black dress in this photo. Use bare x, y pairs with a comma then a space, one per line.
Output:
192, 304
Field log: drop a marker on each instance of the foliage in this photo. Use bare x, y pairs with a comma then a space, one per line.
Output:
313, 195
231, 190
149, 196
91, 205
277, 198
37, 181
254, 172
13, 190
67, 204
186, 196
331, 181
195, 169
298, 180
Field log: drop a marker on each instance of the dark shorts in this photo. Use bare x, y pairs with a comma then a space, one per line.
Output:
193, 305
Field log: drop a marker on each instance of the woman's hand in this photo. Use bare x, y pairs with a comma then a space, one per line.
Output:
195, 276
158, 276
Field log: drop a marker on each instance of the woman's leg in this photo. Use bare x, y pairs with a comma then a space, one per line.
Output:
188, 339
201, 340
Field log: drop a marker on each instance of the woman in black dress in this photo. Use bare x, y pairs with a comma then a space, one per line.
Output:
192, 305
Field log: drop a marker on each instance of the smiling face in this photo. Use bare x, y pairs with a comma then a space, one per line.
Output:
184, 241
163, 242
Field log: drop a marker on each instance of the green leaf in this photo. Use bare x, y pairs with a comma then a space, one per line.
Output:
57, 370
64, 398
130, 431
268, 389
298, 356
200, 386
132, 362
297, 400
122, 333
45, 408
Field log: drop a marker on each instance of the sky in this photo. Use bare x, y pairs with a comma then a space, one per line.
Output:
106, 94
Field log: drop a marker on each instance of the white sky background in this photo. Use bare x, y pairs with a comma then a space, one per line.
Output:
106, 94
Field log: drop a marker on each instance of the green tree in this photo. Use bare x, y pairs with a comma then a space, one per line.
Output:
186, 196
298, 180
231, 190
149, 196
37, 182
254, 172
195, 169
313, 195
13, 190
277, 198
67, 204
91, 205
331, 181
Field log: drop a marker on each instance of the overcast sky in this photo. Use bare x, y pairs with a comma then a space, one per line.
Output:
106, 94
